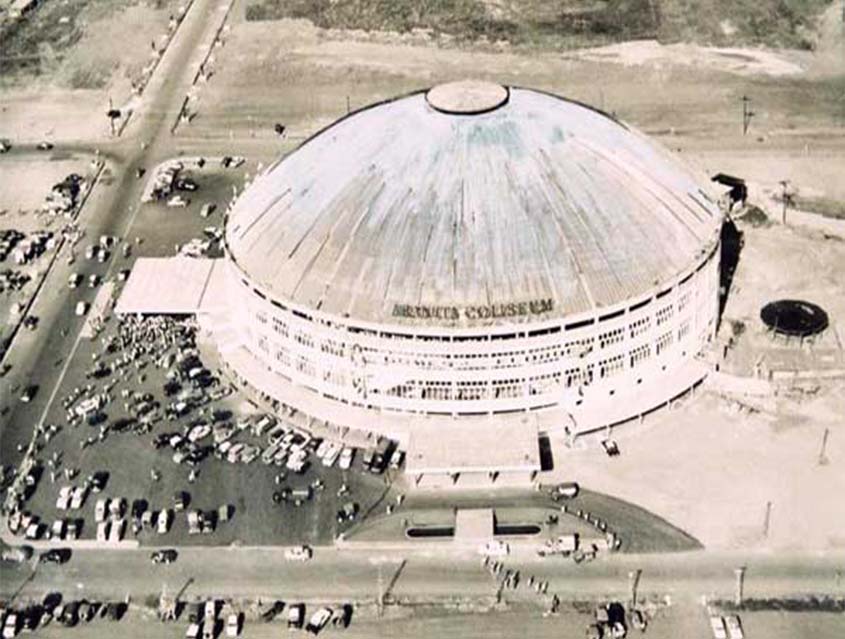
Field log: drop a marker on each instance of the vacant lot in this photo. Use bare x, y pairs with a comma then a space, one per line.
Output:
82, 44
562, 23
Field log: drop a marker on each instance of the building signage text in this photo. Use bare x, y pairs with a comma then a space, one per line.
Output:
476, 312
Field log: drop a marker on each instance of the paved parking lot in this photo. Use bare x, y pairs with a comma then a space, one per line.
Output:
129, 360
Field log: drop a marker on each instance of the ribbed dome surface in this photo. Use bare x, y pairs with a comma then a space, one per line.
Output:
402, 206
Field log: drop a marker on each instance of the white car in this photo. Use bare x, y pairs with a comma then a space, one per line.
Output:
396, 459
494, 548
163, 521
74, 280
322, 449
734, 627
346, 456
81, 308
58, 529
117, 529
233, 625
117, 507
177, 201
103, 531
201, 431
93, 280
296, 461
318, 620
717, 625
298, 553
331, 455
207, 209
65, 494
77, 500
10, 628
100, 510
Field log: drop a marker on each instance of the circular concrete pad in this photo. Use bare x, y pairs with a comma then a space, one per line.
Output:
467, 97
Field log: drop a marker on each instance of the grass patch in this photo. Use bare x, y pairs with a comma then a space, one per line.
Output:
821, 206
36, 45
562, 23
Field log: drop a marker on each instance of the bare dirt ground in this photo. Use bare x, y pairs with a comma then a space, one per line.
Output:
57, 99
27, 182
726, 463
688, 97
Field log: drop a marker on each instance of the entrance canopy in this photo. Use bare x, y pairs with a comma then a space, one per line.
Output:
169, 286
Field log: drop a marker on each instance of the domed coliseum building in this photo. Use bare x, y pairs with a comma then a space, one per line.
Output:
463, 268
474, 251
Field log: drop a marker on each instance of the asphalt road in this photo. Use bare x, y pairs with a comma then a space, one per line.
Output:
339, 575
110, 211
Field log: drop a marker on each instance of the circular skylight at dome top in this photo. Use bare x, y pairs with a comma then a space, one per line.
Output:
467, 97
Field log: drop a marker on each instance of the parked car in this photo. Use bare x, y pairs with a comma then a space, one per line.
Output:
717, 625
734, 627
298, 553
296, 616
166, 556
17, 554
55, 556
177, 201
233, 625
346, 456
566, 490
81, 308
163, 521
319, 620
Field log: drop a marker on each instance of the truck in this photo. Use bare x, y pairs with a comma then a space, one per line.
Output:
89, 406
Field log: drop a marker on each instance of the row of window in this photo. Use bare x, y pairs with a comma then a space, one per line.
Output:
472, 390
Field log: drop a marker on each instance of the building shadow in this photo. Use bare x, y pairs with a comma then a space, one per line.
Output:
546, 459
731, 247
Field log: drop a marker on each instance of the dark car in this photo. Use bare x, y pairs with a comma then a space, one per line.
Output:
184, 184
98, 481
70, 613
55, 556
29, 393
167, 556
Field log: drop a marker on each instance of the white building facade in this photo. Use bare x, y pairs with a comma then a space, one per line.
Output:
488, 281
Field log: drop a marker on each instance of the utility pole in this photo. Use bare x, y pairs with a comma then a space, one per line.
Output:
739, 584
768, 519
823, 461
786, 196
380, 600
633, 584
747, 113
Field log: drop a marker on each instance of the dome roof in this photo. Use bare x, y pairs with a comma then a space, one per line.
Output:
470, 208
